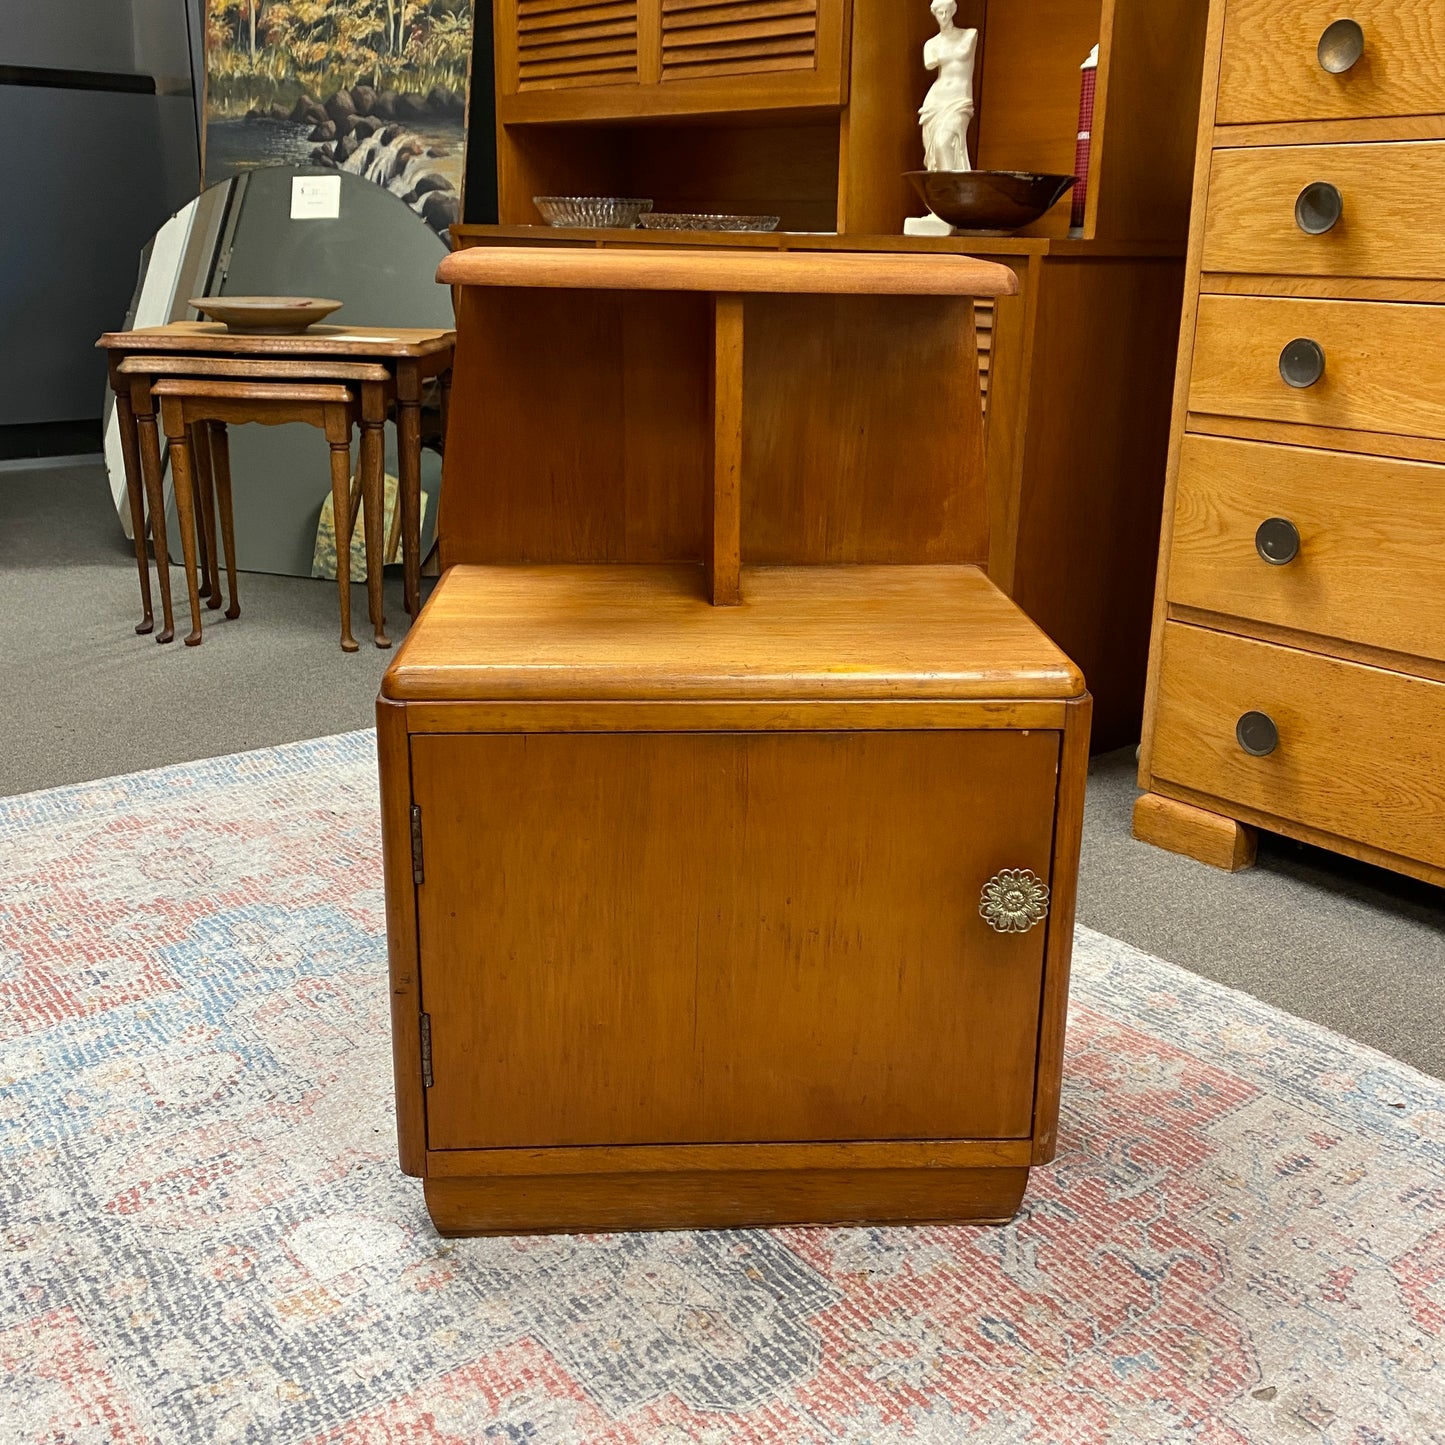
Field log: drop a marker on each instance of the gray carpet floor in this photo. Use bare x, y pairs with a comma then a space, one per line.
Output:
1357, 949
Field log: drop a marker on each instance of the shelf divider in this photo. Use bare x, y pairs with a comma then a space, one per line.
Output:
724, 510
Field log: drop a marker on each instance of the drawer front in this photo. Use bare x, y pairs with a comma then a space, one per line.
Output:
1360, 753
1271, 67
1383, 364
728, 937
1369, 533
1267, 205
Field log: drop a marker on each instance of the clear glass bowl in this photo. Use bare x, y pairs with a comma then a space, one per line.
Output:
593, 212
667, 221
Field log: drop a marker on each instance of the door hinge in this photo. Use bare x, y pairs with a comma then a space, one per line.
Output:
418, 873
426, 1073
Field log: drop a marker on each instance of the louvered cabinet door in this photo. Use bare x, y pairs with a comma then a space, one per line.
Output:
709, 39
551, 45
619, 59
772, 47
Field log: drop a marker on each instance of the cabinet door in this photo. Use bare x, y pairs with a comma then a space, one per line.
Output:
621, 59
554, 45
716, 39
666, 938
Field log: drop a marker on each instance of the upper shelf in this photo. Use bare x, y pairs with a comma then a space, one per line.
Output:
814, 273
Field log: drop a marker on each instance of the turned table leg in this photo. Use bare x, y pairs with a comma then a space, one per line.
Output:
135, 496
373, 491
338, 434
143, 410
173, 417
408, 441
205, 496
221, 465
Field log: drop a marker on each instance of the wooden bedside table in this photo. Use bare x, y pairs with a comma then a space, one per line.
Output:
731, 816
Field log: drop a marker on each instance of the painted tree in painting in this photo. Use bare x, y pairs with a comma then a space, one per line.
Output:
261, 52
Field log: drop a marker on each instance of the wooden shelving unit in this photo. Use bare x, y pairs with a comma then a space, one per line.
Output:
721, 407
808, 108
731, 813
1077, 363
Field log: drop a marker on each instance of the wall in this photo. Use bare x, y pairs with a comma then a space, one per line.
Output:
79, 34
98, 162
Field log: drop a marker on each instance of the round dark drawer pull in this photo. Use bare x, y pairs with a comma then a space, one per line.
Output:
1341, 46
1277, 541
1318, 208
1302, 363
1257, 734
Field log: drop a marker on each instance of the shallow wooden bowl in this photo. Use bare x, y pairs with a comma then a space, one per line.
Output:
998, 201
265, 315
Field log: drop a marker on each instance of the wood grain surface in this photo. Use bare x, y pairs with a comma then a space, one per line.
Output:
394, 766
1195, 833
1090, 490
1328, 132
1389, 227
604, 449
1263, 821
580, 428
724, 510
1384, 370
321, 340
1327, 438
897, 715
737, 271
608, 1203
1271, 67
1059, 948
1371, 567
1361, 752
255, 368
637, 939
1184, 362
1142, 155
647, 1159
844, 458
1324, 288
805, 633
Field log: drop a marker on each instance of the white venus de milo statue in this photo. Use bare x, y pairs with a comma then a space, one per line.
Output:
948, 108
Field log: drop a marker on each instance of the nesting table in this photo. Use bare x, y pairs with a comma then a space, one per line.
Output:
398, 363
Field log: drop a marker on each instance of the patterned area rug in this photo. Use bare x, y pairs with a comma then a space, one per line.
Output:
206, 1238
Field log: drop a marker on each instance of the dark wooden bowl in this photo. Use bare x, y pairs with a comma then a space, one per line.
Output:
989, 200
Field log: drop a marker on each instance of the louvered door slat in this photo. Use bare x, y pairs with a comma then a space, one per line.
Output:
983, 320
693, 12
553, 12
556, 34
564, 43
754, 34
618, 46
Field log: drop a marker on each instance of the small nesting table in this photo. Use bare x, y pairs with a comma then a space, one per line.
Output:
410, 356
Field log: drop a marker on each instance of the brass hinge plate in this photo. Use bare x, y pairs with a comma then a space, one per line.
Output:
418, 873
426, 1073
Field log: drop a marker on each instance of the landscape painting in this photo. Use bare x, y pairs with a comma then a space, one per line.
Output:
374, 87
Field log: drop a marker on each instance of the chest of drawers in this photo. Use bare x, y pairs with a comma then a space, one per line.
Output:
1297, 677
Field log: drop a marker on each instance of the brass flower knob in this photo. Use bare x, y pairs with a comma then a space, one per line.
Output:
1014, 901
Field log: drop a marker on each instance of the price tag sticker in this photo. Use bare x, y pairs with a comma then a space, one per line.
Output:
315, 198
